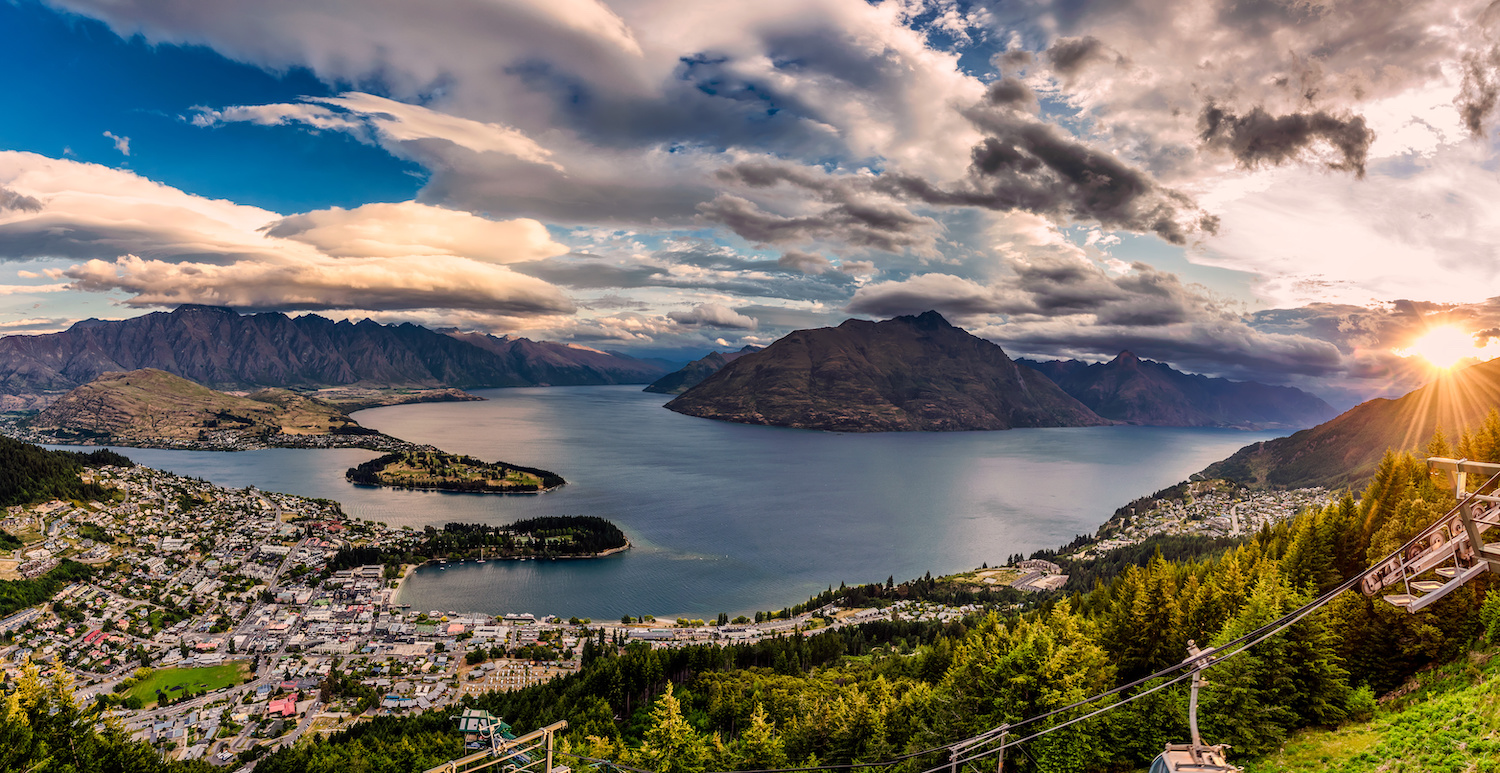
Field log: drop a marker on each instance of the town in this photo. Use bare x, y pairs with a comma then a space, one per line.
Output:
212, 624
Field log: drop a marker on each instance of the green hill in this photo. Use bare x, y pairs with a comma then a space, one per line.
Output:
32, 474
1345, 451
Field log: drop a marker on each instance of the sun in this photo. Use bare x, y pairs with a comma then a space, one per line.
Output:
1444, 346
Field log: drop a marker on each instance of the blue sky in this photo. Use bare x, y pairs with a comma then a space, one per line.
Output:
1248, 191
85, 81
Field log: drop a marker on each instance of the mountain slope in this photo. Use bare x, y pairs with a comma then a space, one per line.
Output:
223, 349
1346, 450
903, 374
544, 363
153, 407
693, 373
1140, 391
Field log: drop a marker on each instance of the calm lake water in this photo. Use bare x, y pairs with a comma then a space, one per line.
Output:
726, 517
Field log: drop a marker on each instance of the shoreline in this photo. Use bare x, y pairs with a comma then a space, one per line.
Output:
454, 491
406, 571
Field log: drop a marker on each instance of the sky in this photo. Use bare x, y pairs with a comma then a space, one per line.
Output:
1289, 191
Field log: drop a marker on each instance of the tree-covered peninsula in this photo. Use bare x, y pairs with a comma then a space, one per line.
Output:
437, 471
556, 536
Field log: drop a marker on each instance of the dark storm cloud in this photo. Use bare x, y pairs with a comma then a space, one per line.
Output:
1011, 92
1258, 138
865, 224
1023, 164
1069, 55
1035, 167
11, 200
1480, 90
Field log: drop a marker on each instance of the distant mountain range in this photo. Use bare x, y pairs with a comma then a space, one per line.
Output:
693, 373
1138, 391
903, 374
223, 349
1346, 450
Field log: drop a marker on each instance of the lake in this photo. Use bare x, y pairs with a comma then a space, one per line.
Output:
727, 517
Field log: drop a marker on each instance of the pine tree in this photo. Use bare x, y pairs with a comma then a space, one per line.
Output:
671, 745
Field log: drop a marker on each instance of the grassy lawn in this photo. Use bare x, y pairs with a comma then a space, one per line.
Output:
176, 681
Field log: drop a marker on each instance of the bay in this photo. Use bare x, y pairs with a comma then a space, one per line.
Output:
727, 517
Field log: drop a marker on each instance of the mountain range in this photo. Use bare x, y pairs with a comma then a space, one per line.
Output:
223, 349
1138, 391
1346, 450
693, 373
903, 374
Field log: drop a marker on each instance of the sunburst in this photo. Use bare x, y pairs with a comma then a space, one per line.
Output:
1444, 346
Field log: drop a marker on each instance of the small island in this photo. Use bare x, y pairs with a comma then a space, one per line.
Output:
545, 538
424, 470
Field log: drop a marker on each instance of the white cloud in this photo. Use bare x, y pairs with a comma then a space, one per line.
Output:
347, 283
713, 315
122, 144
408, 228
393, 122
162, 246
1424, 230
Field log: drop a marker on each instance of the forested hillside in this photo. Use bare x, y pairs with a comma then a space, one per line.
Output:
43, 728
888, 689
31, 473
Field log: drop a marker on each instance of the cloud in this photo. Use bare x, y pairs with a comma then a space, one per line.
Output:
593, 273
27, 289
409, 228
1480, 89
9, 199
715, 316
122, 144
871, 224
804, 262
1258, 137
1422, 229
350, 283
366, 116
162, 246
1069, 56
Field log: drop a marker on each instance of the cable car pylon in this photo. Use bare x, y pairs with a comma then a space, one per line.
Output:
1195, 757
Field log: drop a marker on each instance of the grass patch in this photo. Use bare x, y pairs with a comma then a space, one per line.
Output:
176, 682
1451, 724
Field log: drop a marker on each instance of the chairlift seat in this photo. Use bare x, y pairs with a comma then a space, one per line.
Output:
1400, 599
1180, 758
1427, 586
1447, 571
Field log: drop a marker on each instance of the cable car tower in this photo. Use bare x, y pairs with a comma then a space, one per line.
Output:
531, 753
1195, 757
1451, 551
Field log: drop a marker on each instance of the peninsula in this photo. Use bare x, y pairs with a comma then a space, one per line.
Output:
150, 408
911, 373
427, 470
